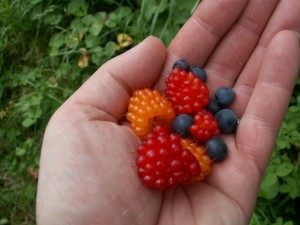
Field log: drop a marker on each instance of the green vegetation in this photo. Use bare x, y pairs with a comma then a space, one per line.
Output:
48, 48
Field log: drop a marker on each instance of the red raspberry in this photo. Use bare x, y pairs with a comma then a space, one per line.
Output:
205, 126
146, 109
163, 163
203, 158
186, 92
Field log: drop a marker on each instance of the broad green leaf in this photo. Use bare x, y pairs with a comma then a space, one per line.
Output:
279, 221
298, 98
35, 112
27, 122
91, 41
110, 48
78, 26
54, 52
20, 151
123, 12
96, 50
52, 18
284, 169
294, 109
285, 188
295, 192
98, 59
4, 221
35, 100
100, 17
28, 143
78, 7
57, 40
95, 28
289, 223
269, 187
37, 13
281, 144
88, 19
270, 179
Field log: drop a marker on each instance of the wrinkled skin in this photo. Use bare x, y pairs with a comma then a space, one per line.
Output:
87, 171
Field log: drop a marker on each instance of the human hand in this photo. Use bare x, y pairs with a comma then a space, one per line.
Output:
87, 173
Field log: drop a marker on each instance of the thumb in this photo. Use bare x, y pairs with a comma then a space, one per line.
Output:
109, 88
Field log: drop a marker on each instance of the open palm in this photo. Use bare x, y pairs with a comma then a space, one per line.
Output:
88, 173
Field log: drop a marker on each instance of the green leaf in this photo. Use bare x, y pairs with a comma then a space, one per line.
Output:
289, 223
37, 13
20, 151
298, 98
4, 221
88, 19
54, 52
294, 109
52, 18
78, 26
57, 40
35, 100
270, 179
284, 169
110, 48
285, 188
269, 187
291, 186
91, 41
96, 50
27, 122
294, 192
100, 17
97, 60
28, 143
95, 28
78, 7
279, 221
281, 144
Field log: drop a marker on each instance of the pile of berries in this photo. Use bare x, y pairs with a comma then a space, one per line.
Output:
180, 130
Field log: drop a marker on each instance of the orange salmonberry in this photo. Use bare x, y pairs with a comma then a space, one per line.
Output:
146, 109
199, 152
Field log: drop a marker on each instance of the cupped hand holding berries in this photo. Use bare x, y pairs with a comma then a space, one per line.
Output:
87, 171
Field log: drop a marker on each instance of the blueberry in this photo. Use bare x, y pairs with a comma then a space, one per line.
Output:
181, 64
227, 120
213, 106
216, 148
200, 73
225, 95
182, 124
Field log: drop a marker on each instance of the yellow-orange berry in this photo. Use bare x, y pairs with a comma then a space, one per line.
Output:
146, 109
199, 152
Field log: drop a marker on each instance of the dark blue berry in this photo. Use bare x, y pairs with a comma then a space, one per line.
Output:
181, 64
213, 106
199, 72
182, 124
216, 148
227, 120
225, 95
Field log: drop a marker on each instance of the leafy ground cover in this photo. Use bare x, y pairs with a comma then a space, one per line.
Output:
48, 48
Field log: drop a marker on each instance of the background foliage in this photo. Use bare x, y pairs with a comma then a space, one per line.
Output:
48, 48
